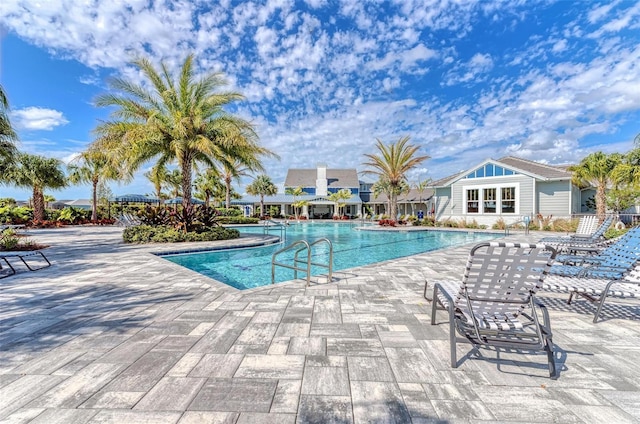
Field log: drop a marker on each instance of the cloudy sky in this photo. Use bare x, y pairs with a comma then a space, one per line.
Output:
466, 80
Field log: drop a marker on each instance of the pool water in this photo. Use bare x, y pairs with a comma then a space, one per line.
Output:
251, 267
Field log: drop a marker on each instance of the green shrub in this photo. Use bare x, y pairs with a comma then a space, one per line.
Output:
230, 211
168, 234
612, 232
565, 225
71, 215
230, 220
9, 239
429, 221
15, 214
500, 224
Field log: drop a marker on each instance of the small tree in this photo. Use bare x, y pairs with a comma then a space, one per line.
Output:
262, 186
596, 170
37, 173
92, 167
339, 199
297, 204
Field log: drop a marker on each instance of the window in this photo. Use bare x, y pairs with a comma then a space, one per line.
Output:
508, 204
490, 170
489, 200
473, 201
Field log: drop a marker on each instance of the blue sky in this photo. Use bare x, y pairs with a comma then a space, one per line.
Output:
467, 80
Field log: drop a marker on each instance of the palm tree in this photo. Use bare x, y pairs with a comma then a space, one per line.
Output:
208, 185
339, 198
38, 173
596, 170
262, 186
233, 169
173, 182
421, 187
297, 204
8, 136
158, 177
92, 167
177, 119
392, 165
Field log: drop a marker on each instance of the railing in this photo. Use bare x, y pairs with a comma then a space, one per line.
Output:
524, 221
301, 246
270, 224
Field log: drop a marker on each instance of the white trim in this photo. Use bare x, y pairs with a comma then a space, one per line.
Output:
498, 188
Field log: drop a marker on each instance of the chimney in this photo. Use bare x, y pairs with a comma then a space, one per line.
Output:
321, 180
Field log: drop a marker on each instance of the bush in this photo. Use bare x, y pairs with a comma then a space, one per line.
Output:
168, 234
612, 232
565, 225
429, 221
229, 212
15, 214
71, 215
10, 240
228, 220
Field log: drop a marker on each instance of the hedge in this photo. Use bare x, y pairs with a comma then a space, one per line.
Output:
165, 234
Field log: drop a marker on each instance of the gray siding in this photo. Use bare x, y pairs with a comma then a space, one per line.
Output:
576, 200
553, 198
524, 200
443, 202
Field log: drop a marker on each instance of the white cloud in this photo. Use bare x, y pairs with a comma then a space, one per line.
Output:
37, 118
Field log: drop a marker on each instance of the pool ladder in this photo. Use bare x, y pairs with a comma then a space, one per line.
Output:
301, 246
269, 224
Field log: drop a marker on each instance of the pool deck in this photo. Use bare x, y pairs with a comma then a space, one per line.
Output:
111, 333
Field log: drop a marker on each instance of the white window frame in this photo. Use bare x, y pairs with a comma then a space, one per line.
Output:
498, 188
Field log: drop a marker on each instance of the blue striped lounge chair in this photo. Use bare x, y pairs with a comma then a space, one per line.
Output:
596, 290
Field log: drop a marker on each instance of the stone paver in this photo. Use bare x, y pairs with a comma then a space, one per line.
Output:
112, 333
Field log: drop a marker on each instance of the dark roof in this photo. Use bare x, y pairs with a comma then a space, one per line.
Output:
536, 168
338, 178
412, 196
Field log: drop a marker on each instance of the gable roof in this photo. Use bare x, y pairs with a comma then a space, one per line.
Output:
336, 178
536, 168
530, 168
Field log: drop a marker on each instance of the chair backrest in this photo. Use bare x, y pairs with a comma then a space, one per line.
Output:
500, 278
624, 253
587, 225
599, 233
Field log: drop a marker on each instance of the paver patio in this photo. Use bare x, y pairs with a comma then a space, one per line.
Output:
112, 334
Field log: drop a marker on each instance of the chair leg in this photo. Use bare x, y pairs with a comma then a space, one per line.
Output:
603, 297
434, 305
12, 270
551, 358
452, 336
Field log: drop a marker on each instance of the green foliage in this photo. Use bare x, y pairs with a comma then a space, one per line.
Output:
274, 211
612, 232
9, 240
7, 201
500, 224
166, 234
229, 212
230, 220
71, 215
15, 215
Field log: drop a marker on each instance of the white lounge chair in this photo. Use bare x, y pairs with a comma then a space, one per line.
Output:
23, 255
495, 305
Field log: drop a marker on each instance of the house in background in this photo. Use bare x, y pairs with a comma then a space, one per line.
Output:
317, 184
508, 188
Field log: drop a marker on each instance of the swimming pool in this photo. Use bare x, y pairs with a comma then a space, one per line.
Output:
251, 267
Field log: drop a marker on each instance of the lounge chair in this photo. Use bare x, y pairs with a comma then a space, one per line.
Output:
611, 263
597, 289
595, 236
495, 304
4, 256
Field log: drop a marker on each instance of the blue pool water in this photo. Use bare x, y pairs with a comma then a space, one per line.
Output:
251, 267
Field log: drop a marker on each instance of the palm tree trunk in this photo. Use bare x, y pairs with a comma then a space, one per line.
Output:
186, 182
261, 205
393, 205
601, 202
38, 204
94, 203
227, 183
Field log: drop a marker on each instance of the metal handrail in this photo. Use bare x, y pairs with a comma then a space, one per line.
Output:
301, 246
269, 223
